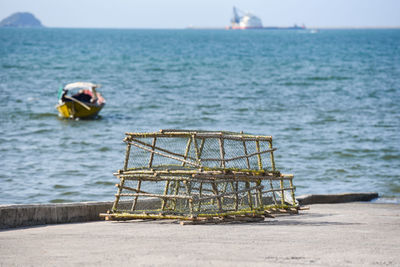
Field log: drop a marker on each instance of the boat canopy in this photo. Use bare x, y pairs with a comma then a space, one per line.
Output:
85, 85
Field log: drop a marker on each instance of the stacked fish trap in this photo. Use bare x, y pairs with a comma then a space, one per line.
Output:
200, 176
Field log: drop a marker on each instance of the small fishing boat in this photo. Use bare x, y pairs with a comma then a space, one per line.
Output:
80, 100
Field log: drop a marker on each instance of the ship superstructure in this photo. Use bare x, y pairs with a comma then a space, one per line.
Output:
245, 20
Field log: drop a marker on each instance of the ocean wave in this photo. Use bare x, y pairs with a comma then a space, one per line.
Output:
70, 193
390, 157
60, 186
296, 84
61, 200
12, 66
328, 78
104, 183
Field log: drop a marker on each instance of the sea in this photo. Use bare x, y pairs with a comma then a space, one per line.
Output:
329, 98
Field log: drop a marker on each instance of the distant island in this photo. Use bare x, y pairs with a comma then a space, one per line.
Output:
21, 20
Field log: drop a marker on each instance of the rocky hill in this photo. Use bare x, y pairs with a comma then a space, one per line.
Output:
21, 20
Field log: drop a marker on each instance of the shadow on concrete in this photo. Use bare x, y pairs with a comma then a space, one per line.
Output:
307, 219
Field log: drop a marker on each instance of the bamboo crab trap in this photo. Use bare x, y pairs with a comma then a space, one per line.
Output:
201, 176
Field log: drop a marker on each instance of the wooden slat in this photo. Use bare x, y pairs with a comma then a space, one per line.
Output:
154, 195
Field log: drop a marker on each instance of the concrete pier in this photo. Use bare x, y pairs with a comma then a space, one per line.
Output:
39, 214
351, 234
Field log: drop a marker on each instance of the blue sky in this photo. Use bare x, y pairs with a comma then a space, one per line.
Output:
206, 13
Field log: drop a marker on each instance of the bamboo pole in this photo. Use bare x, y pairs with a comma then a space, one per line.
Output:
198, 178
248, 166
127, 153
272, 155
292, 191
154, 178
209, 171
200, 194
246, 154
222, 152
236, 177
166, 189
165, 155
190, 201
199, 157
215, 189
223, 219
177, 186
224, 188
136, 197
222, 155
259, 194
155, 171
130, 188
250, 197
181, 217
174, 134
152, 153
234, 191
201, 146
133, 140
223, 172
283, 193
273, 191
196, 149
236, 195
130, 216
187, 150
260, 166
240, 157
115, 204
231, 177
155, 195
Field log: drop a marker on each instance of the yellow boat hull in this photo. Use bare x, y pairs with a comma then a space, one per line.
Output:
74, 110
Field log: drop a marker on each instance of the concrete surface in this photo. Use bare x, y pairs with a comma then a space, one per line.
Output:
351, 234
39, 214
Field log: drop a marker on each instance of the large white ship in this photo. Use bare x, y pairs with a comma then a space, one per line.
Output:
244, 20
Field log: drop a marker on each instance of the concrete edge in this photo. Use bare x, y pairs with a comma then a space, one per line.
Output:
12, 216
19, 215
336, 198
37, 214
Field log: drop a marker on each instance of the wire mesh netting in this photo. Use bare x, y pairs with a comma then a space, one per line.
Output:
193, 174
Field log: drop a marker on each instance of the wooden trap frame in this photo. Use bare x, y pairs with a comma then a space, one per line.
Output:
201, 176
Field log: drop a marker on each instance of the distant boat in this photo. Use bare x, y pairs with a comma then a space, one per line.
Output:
84, 102
246, 21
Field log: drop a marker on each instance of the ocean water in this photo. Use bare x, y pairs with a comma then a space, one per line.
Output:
331, 101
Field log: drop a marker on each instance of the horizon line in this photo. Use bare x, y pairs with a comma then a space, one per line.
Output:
217, 28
